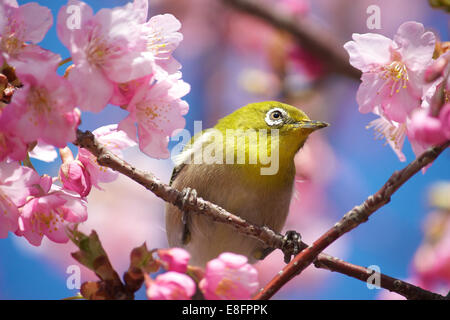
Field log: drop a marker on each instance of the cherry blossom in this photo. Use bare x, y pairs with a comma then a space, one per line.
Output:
73, 174
392, 77
170, 286
21, 27
107, 48
176, 259
15, 186
229, 277
48, 212
158, 111
44, 109
426, 128
116, 46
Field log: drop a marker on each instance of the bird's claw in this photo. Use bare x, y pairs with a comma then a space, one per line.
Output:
292, 245
189, 197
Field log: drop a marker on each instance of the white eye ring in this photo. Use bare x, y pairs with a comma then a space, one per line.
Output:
272, 121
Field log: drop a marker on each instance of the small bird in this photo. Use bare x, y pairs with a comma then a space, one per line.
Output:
245, 164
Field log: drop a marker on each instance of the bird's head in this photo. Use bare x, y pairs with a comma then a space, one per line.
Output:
293, 125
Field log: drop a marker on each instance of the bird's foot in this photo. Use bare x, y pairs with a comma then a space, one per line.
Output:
292, 245
189, 197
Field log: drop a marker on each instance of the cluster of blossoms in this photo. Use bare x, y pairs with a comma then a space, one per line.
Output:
118, 58
404, 85
227, 277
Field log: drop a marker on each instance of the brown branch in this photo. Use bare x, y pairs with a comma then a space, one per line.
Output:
351, 220
263, 234
407, 290
312, 37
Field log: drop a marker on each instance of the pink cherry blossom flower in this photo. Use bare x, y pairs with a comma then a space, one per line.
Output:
115, 140
73, 174
15, 184
176, 259
392, 77
44, 109
425, 128
21, 27
158, 111
229, 277
107, 48
170, 286
48, 212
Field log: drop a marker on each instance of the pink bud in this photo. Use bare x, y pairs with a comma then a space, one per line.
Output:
425, 128
73, 174
170, 286
229, 277
176, 258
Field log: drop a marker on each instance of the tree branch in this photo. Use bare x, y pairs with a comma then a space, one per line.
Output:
351, 220
312, 37
267, 236
407, 290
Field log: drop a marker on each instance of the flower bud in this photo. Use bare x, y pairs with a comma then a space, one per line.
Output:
425, 128
229, 277
176, 259
73, 174
170, 286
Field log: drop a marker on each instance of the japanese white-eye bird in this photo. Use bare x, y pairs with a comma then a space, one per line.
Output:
257, 187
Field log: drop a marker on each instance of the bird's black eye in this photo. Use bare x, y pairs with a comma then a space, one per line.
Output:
275, 117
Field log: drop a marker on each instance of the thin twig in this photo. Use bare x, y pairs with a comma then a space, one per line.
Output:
312, 37
407, 290
351, 220
267, 236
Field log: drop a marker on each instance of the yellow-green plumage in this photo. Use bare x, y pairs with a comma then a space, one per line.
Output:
239, 188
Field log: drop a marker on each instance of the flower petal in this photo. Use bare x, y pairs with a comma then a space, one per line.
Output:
415, 46
368, 51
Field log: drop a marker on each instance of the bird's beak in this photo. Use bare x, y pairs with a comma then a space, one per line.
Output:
311, 124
